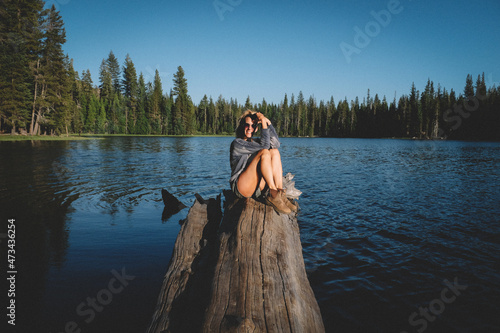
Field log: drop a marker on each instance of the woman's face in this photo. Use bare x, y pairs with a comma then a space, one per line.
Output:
250, 127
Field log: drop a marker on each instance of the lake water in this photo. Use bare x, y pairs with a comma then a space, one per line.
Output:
397, 235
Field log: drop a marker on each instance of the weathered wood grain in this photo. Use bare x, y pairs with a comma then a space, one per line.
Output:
184, 293
245, 275
260, 283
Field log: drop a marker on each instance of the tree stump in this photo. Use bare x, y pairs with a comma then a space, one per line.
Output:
245, 274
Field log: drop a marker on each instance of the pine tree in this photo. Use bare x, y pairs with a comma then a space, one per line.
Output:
36, 49
106, 80
248, 104
478, 107
169, 104
321, 121
415, 113
393, 127
130, 90
286, 116
212, 117
227, 117
129, 81
222, 108
330, 114
311, 117
202, 115
91, 115
354, 116
469, 87
101, 120
236, 112
142, 126
293, 129
114, 70
76, 94
53, 108
369, 101
87, 84
190, 120
114, 119
343, 120
299, 113
481, 89
181, 110
19, 51
427, 102
383, 119
71, 102
435, 133
156, 103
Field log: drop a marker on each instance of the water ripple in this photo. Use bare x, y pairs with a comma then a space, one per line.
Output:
383, 222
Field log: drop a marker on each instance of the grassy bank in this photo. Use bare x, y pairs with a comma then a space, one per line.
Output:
8, 137
197, 135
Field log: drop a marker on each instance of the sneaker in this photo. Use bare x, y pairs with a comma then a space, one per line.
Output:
275, 200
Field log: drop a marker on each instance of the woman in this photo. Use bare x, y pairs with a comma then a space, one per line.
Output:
256, 163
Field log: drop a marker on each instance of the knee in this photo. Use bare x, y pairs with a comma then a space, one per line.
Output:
264, 153
274, 153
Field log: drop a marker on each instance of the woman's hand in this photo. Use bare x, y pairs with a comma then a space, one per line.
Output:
263, 120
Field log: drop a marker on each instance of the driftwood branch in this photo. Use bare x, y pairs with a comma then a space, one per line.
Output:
172, 205
244, 274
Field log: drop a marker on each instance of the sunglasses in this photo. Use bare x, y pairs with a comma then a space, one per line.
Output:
250, 125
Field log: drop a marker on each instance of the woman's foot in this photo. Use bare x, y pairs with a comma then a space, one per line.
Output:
287, 201
275, 200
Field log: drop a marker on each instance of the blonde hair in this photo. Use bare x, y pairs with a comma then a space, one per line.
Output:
247, 113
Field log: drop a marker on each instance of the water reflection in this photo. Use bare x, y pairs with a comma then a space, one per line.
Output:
34, 193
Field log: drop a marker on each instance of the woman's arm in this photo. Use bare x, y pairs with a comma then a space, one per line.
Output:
273, 137
266, 124
263, 120
241, 146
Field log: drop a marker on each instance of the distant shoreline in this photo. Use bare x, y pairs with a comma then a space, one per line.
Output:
19, 137
76, 137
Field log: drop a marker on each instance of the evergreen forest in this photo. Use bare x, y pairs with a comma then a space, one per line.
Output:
41, 93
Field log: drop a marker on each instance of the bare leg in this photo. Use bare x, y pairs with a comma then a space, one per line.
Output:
265, 168
278, 177
277, 167
260, 168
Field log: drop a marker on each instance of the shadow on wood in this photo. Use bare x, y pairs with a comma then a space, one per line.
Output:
245, 274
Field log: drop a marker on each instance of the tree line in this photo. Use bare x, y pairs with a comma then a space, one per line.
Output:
41, 93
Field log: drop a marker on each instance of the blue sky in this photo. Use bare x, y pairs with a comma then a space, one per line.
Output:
264, 49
